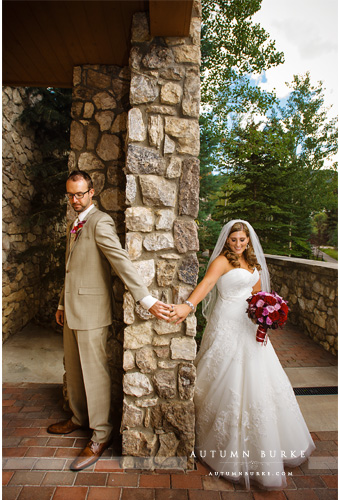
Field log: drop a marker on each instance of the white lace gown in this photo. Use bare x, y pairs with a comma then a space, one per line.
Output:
248, 421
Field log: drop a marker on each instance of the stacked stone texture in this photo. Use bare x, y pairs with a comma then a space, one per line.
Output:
21, 280
162, 194
100, 103
311, 289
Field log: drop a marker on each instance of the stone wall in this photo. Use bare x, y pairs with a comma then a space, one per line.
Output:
311, 288
100, 102
21, 280
162, 194
32, 243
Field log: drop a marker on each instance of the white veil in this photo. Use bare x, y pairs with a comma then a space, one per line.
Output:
211, 297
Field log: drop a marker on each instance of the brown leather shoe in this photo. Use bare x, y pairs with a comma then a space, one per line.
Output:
89, 455
64, 427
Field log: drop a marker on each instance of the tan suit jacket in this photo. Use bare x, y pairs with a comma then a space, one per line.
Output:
87, 293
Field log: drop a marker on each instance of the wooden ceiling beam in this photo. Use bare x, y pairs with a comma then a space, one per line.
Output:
43, 40
170, 17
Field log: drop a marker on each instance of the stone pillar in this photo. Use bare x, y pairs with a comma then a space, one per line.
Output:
98, 132
162, 194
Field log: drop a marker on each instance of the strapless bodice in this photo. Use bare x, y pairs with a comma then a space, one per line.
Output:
236, 283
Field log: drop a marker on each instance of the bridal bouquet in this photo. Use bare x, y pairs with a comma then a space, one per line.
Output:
268, 310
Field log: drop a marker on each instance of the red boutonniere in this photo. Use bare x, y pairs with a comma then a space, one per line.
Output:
76, 229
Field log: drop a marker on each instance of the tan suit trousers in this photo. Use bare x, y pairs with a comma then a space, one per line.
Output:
88, 379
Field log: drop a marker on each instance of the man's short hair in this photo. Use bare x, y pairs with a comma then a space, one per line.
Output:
76, 174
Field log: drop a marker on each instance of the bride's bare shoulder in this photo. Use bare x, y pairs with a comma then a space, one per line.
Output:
221, 262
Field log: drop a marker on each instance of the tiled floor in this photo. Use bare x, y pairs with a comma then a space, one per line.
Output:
36, 464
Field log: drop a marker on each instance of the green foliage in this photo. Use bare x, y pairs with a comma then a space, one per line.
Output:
275, 170
312, 141
48, 115
233, 48
272, 172
319, 228
313, 136
201, 321
257, 182
210, 184
325, 222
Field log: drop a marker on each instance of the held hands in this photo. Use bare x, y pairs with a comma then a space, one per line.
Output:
179, 313
160, 310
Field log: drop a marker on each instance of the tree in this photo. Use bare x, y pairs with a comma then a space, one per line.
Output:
233, 47
209, 226
275, 174
320, 228
255, 189
328, 203
312, 140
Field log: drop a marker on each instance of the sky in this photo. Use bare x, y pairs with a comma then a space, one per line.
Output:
306, 31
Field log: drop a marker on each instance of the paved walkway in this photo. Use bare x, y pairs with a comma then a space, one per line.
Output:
295, 349
320, 254
36, 464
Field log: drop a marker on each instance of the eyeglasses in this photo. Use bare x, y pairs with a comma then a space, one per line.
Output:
78, 196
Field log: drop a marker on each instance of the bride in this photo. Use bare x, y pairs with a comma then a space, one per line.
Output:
248, 422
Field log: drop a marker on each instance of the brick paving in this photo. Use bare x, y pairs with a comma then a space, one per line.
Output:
36, 464
295, 349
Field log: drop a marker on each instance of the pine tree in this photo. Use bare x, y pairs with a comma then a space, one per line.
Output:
312, 145
232, 48
256, 186
275, 170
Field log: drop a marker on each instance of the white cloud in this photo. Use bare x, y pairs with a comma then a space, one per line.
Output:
307, 32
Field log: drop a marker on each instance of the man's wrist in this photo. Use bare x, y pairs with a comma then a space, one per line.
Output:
61, 308
148, 301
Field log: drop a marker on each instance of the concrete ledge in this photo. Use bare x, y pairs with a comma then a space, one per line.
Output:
317, 266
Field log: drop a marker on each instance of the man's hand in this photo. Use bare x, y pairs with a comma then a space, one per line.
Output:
160, 310
59, 316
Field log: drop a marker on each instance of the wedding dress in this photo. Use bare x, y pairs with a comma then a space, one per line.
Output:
248, 422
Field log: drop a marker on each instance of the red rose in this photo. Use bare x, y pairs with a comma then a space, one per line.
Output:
275, 316
282, 320
284, 308
258, 312
271, 301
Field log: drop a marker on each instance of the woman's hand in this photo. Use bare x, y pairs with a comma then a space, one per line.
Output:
179, 313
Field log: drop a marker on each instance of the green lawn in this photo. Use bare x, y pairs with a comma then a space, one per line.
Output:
331, 252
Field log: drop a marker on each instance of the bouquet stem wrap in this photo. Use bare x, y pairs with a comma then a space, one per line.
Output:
261, 335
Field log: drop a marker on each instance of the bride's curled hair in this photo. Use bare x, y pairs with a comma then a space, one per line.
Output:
249, 254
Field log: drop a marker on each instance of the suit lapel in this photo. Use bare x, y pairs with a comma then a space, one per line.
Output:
69, 251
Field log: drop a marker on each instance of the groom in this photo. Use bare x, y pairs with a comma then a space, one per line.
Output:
85, 312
